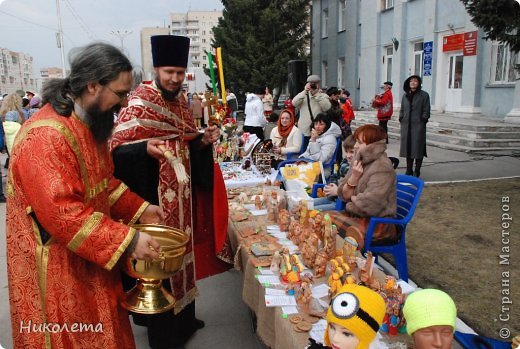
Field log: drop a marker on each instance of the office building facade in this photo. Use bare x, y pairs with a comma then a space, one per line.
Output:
360, 44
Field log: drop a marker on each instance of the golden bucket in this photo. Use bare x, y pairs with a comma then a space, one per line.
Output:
148, 295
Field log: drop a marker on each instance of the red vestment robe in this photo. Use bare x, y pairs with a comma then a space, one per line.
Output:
149, 116
66, 231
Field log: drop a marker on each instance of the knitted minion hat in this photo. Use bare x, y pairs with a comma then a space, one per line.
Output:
360, 310
429, 307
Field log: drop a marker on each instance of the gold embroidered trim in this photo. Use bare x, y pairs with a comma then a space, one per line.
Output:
189, 297
160, 110
85, 230
42, 260
9, 190
98, 188
68, 136
139, 212
117, 193
121, 249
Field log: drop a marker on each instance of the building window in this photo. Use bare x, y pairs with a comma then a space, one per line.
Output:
324, 71
341, 71
387, 4
324, 23
342, 14
389, 56
204, 65
504, 61
418, 58
204, 57
14, 59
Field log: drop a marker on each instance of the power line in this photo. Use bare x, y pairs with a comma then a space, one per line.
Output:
27, 21
80, 21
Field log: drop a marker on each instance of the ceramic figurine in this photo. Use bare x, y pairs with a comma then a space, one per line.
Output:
335, 282
258, 202
296, 263
284, 220
318, 221
320, 264
394, 321
242, 198
333, 265
365, 274
291, 228
305, 296
275, 261
303, 213
295, 238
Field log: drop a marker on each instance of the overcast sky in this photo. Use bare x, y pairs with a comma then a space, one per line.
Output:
30, 26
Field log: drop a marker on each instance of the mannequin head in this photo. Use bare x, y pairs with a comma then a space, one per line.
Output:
430, 319
354, 317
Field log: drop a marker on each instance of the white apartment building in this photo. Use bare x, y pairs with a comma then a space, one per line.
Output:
146, 49
50, 73
16, 72
196, 25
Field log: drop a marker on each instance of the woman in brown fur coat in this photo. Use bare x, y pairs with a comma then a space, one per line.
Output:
369, 188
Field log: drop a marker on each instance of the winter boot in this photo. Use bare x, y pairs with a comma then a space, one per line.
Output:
418, 164
409, 167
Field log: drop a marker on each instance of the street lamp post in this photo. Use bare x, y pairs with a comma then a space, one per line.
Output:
121, 34
60, 39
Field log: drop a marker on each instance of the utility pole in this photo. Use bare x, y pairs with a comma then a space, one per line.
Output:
59, 38
121, 34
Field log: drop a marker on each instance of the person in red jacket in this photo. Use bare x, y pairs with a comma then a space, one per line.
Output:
348, 110
384, 104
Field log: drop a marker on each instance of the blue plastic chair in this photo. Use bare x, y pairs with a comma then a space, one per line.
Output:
474, 341
332, 161
409, 191
293, 155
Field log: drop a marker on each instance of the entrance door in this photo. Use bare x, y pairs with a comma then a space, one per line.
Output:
454, 92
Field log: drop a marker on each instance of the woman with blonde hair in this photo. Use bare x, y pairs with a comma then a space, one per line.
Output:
11, 109
12, 118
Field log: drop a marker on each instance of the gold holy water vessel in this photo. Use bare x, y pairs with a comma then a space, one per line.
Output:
148, 295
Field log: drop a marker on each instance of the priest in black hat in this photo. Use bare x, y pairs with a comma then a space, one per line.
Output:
158, 122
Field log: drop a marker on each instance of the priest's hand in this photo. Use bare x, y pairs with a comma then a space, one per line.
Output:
211, 135
152, 148
152, 214
146, 247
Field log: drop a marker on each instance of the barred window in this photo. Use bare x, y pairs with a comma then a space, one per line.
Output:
504, 61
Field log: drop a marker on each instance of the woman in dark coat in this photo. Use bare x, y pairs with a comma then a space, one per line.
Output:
414, 114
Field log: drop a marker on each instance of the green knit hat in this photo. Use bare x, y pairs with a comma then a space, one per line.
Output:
429, 307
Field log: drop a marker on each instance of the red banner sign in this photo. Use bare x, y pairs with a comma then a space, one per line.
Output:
470, 43
453, 42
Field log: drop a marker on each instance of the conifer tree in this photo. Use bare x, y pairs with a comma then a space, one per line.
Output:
258, 38
500, 19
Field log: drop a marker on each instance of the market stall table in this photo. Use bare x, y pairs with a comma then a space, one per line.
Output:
272, 327
236, 177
